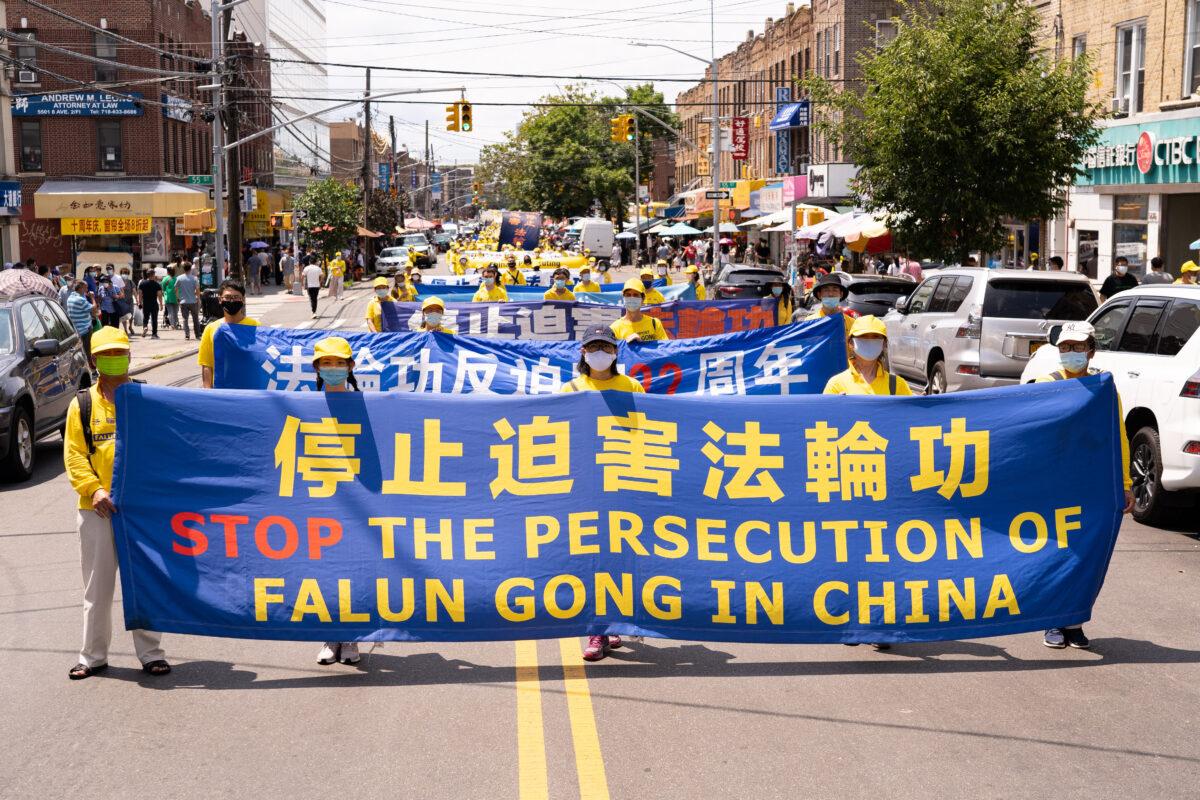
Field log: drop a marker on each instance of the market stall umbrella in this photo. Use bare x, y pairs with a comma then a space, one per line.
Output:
681, 229
418, 224
361, 231
626, 235
726, 241
726, 227
259, 245
16, 282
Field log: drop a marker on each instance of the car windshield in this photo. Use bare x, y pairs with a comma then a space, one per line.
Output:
1018, 298
892, 288
415, 240
752, 276
6, 331
392, 252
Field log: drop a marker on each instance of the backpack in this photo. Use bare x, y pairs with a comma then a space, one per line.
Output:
84, 396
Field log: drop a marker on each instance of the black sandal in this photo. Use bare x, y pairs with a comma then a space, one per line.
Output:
81, 671
156, 668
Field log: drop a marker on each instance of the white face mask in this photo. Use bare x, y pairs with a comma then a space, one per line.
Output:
381, 292
585, 277
632, 303
1122, 269
662, 270
433, 319
599, 360
870, 349
488, 280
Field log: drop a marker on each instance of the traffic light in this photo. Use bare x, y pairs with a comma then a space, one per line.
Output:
627, 128
464, 113
477, 187
453, 121
616, 129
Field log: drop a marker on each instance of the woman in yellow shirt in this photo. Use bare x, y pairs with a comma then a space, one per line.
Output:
586, 284
781, 290
693, 273
432, 311
490, 290
558, 290
634, 326
866, 375
404, 292
664, 271
337, 276
374, 307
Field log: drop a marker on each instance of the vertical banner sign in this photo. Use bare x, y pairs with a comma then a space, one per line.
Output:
783, 140
741, 138
436, 185
385, 176
414, 177
398, 516
521, 229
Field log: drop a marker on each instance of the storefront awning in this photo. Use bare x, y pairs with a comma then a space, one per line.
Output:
59, 199
361, 231
793, 115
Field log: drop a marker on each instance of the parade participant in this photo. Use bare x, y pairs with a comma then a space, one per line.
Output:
490, 290
1076, 348
233, 305
597, 365
653, 296
333, 361
663, 271
634, 326
88, 451
404, 292
866, 375
337, 277
558, 290
1189, 274
586, 284
461, 267
432, 311
374, 306
512, 275
693, 276
830, 293
781, 290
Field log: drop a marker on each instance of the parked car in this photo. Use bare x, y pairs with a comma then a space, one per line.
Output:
391, 260
441, 241
1147, 338
42, 366
426, 256
973, 328
869, 294
745, 281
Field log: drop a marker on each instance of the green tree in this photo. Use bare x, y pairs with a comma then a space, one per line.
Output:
383, 210
334, 209
963, 121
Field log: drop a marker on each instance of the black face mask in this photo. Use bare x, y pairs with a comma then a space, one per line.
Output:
232, 307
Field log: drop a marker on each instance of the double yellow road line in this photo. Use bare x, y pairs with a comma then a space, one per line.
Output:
531, 737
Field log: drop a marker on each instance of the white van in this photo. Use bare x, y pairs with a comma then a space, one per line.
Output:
596, 235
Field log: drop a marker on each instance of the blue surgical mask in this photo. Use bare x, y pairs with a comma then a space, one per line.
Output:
560, 284
870, 349
830, 302
647, 284
1073, 362
334, 376
777, 290
585, 277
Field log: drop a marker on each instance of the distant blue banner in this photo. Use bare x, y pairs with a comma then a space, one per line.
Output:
533, 292
10, 198
77, 104
555, 321
799, 519
792, 359
521, 229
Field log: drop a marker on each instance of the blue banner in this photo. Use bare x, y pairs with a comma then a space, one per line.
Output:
555, 321
77, 104
10, 198
521, 229
534, 292
792, 359
802, 519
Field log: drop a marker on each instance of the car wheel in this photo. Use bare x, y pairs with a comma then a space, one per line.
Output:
18, 466
937, 379
1150, 501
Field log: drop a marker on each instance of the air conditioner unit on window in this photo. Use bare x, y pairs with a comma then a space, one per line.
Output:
1120, 105
27, 76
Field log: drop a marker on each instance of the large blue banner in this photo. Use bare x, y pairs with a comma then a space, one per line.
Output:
521, 229
354, 516
562, 321
792, 359
536, 293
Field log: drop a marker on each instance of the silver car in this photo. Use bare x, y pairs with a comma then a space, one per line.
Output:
973, 328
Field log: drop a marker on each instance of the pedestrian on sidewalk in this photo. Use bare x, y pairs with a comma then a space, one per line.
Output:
171, 297
254, 273
81, 309
186, 288
1119, 279
233, 306
312, 284
149, 300
1157, 275
107, 297
90, 445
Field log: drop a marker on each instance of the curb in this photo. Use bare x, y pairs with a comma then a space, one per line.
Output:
168, 360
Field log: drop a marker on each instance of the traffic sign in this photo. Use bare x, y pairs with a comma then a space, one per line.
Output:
718, 194
300, 213
200, 180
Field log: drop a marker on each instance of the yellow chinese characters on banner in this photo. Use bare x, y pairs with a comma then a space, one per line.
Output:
117, 226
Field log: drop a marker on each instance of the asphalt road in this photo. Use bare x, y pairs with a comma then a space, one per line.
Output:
994, 718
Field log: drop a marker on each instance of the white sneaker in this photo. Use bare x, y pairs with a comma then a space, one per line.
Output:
349, 652
329, 653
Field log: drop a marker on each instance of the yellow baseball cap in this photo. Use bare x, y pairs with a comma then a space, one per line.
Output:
332, 346
107, 340
1188, 266
380, 282
428, 302
635, 284
691, 268
646, 272
868, 324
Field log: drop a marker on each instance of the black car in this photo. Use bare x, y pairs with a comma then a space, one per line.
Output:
869, 294
745, 281
42, 366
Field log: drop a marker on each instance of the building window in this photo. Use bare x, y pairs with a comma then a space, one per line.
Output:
27, 54
821, 53
1191, 75
106, 48
1078, 45
108, 140
31, 145
837, 48
1131, 67
885, 32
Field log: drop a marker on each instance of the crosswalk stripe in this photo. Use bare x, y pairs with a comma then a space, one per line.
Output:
337, 323
308, 323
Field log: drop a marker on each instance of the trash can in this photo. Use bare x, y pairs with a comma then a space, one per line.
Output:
210, 306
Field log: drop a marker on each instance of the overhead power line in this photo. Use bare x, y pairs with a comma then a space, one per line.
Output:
84, 24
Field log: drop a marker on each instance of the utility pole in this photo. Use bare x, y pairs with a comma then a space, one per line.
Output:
367, 148
428, 174
395, 174
11, 246
233, 127
218, 149
716, 165
637, 187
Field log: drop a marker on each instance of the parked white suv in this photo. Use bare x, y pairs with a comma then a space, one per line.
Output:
1147, 338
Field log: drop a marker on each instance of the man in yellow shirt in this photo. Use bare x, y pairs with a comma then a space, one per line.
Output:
634, 326
558, 289
1076, 347
693, 273
653, 297
88, 451
491, 290
512, 273
586, 284
868, 339
233, 304
374, 307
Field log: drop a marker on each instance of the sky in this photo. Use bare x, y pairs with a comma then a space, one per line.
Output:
557, 37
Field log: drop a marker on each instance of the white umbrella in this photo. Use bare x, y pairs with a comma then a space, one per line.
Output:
726, 227
680, 229
626, 235
774, 218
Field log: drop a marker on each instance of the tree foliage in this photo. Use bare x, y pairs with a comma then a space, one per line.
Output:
334, 209
383, 210
561, 160
963, 122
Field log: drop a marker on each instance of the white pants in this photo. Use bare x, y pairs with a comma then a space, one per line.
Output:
98, 557
335, 287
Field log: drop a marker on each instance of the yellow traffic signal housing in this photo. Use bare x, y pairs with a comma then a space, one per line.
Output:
616, 129
453, 121
627, 128
465, 116
200, 221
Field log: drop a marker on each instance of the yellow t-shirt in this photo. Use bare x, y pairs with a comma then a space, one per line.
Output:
439, 329
337, 268
405, 293
88, 473
701, 294
617, 383
551, 294
851, 381
820, 314
497, 294
653, 298
666, 279
510, 277
375, 313
205, 357
590, 286
1061, 375
648, 329
785, 309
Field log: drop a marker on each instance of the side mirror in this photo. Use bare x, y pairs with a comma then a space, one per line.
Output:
901, 305
1055, 332
45, 347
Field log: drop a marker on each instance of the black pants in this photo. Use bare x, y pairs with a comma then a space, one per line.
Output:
150, 317
313, 291
110, 319
188, 311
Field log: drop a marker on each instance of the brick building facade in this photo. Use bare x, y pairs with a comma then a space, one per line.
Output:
114, 145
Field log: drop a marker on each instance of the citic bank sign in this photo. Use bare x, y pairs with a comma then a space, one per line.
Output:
1167, 152
1164, 152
